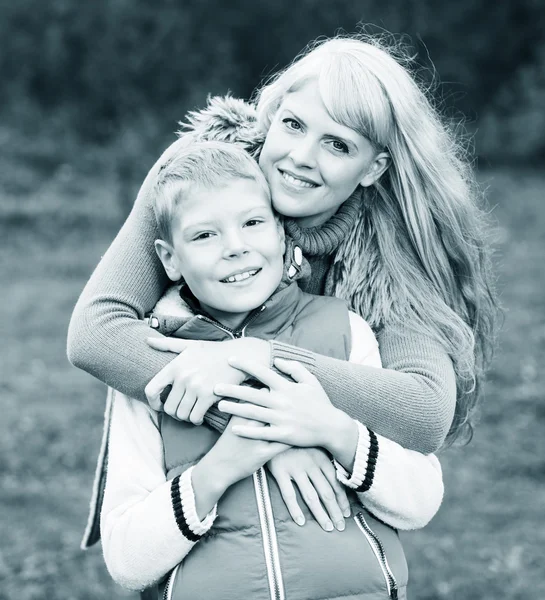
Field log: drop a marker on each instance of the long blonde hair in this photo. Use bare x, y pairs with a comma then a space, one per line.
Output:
418, 253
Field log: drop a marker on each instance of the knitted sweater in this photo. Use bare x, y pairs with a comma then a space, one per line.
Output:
410, 401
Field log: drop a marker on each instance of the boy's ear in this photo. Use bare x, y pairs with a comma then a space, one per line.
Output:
376, 169
166, 255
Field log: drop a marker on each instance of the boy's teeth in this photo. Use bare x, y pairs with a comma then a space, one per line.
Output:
240, 276
297, 182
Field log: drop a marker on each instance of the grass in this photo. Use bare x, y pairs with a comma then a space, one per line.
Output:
57, 219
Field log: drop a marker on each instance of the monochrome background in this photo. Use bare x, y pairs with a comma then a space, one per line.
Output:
91, 93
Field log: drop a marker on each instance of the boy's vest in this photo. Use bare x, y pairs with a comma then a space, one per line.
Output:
254, 549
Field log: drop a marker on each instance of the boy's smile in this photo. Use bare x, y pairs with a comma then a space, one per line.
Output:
228, 247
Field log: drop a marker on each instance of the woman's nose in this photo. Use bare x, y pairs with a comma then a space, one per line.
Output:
303, 152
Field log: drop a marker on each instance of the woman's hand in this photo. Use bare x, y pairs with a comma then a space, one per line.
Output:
314, 474
193, 374
299, 414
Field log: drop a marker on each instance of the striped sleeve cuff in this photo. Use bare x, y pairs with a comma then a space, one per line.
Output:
287, 352
185, 511
365, 462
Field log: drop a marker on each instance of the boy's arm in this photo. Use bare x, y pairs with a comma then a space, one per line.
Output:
141, 529
411, 400
401, 487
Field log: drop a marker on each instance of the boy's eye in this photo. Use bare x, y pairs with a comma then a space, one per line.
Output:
291, 123
253, 222
203, 236
339, 146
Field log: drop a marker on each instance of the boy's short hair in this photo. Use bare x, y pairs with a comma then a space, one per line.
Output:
204, 165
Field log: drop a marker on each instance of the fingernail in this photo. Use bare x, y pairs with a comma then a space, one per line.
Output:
340, 525
300, 520
328, 526
346, 512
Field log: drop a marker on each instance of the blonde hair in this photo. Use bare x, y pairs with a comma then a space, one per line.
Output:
199, 165
421, 233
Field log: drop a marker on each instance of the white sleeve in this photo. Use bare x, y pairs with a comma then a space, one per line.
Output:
364, 349
141, 540
405, 488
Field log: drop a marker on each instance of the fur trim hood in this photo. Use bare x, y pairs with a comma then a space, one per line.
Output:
225, 119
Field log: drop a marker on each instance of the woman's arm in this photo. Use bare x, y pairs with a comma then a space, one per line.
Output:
106, 336
410, 401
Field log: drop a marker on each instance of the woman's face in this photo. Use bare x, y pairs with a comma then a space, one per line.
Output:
312, 163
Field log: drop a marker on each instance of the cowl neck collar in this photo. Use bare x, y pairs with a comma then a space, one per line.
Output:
326, 238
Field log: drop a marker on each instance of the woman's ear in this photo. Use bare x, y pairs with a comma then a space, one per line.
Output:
380, 164
166, 255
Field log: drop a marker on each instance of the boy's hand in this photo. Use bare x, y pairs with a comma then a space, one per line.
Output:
237, 458
311, 470
193, 374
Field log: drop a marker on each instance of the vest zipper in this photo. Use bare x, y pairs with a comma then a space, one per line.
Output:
266, 518
378, 550
234, 333
270, 543
167, 594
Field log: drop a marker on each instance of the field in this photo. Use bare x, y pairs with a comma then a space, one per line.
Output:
56, 220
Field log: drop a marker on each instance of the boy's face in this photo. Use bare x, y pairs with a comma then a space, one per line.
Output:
228, 247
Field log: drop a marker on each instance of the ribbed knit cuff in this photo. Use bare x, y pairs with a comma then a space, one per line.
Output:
216, 419
185, 511
287, 352
365, 462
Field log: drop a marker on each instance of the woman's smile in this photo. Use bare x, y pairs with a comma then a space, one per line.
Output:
297, 181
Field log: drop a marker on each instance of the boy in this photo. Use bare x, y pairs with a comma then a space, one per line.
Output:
166, 477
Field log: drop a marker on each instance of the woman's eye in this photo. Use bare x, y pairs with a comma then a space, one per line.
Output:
292, 124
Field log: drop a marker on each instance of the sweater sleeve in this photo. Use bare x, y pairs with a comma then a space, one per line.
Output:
107, 336
141, 538
411, 400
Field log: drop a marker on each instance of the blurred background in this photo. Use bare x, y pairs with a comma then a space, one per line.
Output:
91, 94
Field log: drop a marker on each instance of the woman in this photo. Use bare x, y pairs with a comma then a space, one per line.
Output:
377, 192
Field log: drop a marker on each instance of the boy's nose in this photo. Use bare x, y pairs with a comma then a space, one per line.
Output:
234, 245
